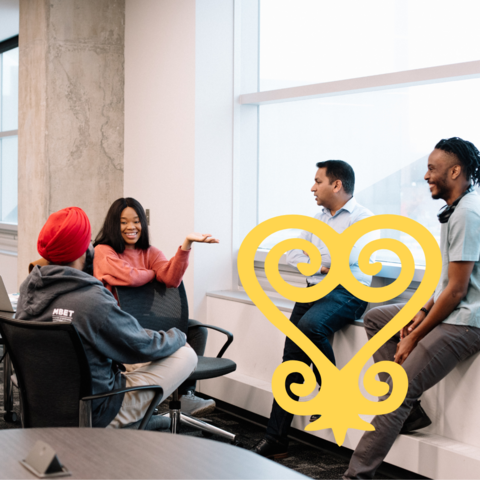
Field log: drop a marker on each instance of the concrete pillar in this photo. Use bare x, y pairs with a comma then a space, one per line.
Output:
71, 112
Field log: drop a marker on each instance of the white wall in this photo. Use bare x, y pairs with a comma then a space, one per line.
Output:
178, 130
160, 117
213, 147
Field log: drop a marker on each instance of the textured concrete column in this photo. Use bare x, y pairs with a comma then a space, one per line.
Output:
71, 112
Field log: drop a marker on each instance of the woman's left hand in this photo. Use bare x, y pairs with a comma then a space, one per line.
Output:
198, 237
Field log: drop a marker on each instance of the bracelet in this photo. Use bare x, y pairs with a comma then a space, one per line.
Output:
423, 309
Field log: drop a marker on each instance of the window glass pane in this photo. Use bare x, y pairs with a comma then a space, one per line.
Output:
313, 41
9, 103
9, 183
386, 136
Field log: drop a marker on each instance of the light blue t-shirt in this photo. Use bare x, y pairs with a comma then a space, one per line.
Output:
350, 213
460, 242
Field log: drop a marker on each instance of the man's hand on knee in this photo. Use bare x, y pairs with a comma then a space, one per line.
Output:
405, 348
414, 323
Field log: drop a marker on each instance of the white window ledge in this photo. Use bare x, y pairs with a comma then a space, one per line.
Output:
241, 297
389, 269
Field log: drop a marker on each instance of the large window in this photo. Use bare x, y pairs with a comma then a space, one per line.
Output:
8, 131
313, 41
375, 83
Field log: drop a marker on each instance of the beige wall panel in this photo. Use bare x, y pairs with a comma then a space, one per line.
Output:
160, 119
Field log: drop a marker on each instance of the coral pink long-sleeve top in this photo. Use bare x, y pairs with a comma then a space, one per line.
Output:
135, 267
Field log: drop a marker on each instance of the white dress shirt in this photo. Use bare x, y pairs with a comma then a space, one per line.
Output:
350, 213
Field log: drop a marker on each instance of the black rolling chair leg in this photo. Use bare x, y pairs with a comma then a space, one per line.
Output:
10, 415
175, 412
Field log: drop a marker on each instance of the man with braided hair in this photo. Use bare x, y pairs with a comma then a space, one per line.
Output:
447, 329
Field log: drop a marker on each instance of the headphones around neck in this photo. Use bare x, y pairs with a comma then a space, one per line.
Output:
446, 211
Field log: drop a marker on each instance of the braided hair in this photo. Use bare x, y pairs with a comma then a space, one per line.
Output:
466, 153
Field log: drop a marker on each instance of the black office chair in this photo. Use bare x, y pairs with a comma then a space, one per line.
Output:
8, 382
53, 375
157, 307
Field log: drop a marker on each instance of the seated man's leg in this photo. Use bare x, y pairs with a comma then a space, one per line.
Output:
280, 420
168, 372
374, 320
431, 360
191, 404
317, 320
329, 315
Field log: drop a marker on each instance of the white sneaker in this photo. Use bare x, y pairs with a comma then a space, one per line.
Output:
196, 406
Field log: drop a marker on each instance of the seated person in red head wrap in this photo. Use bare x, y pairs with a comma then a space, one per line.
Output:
110, 336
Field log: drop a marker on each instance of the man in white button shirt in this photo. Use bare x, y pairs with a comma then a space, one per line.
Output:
333, 191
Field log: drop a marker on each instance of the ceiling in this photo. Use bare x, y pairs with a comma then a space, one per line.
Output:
8, 18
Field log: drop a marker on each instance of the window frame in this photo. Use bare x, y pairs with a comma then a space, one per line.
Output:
248, 99
8, 231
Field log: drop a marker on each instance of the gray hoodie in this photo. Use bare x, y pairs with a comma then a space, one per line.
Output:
109, 335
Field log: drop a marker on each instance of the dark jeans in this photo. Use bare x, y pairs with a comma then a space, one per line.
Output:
197, 339
317, 320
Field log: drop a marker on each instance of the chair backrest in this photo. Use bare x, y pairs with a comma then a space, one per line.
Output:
52, 371
155, 306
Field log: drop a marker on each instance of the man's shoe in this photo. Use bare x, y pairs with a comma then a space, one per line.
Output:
416, 420
268, 449
314, 417
196, 406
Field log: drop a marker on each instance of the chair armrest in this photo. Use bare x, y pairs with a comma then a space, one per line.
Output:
156, 400
221, 330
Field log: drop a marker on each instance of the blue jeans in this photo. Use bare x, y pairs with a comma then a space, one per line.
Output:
317, 320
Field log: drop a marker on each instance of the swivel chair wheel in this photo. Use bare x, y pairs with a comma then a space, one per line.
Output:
10, 417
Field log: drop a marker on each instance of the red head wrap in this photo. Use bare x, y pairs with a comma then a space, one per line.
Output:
65, 237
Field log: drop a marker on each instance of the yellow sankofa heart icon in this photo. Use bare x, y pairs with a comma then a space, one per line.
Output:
340, 400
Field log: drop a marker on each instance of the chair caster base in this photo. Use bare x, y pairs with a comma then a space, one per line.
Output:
238, 443
11, 417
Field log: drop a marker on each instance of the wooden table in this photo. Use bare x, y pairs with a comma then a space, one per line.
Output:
110, 453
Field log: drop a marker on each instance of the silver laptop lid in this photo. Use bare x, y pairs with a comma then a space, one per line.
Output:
5, 303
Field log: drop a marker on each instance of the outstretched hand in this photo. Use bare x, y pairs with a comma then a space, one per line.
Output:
198, 237
201, 238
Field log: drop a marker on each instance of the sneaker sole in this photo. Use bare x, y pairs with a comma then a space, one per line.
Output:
416, 426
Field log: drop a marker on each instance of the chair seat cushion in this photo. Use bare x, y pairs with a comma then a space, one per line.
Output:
211, 367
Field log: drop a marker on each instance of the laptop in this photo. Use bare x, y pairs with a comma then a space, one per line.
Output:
5, 303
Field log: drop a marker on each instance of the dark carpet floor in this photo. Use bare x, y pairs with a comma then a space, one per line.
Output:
309, 455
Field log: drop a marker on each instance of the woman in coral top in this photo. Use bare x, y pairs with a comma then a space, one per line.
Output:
124, 257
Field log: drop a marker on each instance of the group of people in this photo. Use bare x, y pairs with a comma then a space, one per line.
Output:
121, 353
77, 277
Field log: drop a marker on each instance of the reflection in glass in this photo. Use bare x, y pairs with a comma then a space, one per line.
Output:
385, 135
9, 90
9, 196
313, 41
